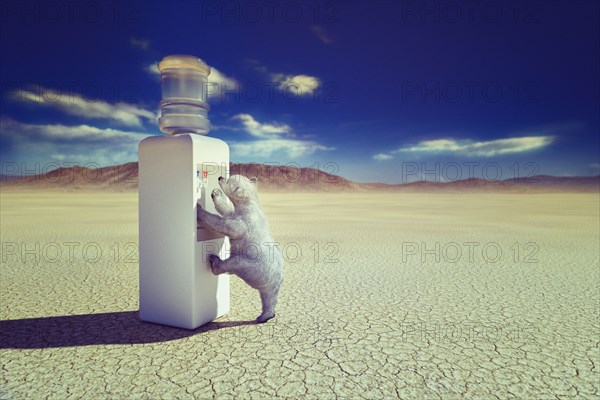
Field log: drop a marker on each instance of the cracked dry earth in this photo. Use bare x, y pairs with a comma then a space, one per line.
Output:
369, 309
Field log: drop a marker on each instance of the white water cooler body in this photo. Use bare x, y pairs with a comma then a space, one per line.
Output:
177, 286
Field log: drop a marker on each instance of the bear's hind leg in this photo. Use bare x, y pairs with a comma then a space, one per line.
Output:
231, 265
268, 299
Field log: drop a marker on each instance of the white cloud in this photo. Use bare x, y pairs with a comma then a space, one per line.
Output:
259, 130
266, 148
218, 83
472, 148
152, 69
256, 65
595, 165
273, 137
322, 34
143, 44
382, 157
300, 85
70, 103
82, 143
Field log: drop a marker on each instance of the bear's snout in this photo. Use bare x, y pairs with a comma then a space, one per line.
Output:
221, 179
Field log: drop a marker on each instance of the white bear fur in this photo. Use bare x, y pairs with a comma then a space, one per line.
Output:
254, 256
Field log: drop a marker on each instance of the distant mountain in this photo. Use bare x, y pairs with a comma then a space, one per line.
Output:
285, 178
119, 177
537, 183
562, 182
5, 178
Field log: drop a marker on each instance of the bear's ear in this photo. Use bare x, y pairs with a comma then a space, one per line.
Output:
254, 180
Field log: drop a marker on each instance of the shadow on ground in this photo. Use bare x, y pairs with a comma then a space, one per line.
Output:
94, 329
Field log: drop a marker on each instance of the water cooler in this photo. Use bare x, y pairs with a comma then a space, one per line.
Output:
177, 172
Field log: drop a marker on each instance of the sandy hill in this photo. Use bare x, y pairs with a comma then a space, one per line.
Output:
538, 183
286, 178
125, 177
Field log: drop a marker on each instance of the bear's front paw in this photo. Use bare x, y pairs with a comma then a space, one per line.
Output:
216, 193
214, 263
264, 317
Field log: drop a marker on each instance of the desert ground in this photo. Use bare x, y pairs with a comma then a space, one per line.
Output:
416, 296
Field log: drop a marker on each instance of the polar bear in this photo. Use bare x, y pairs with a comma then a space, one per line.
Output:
255, 258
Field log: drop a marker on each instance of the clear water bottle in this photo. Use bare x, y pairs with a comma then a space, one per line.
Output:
184, 107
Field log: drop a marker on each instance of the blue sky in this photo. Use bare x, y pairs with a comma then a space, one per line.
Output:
388, 91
